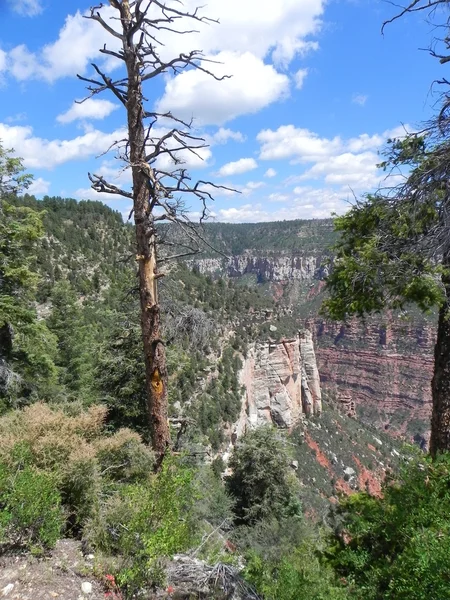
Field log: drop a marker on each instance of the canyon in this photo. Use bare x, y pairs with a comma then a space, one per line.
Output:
378, 370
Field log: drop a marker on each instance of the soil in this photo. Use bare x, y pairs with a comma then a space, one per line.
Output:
58, 575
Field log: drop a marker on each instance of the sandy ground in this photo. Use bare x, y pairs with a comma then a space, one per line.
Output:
59, 575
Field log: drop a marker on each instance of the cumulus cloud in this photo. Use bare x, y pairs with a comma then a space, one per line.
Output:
3, 56
277, 31
290, 142
39, 186
299, 78
41, 153
26, 8
306, 203
335, 161
270, 173
78, 43
222, 136
89, 109
254, 41
237, 167
253, 86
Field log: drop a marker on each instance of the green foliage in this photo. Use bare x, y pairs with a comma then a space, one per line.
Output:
291, 577
144, 523
72, 447
261, 482
373, 268
12, 177
386, 253
283, 561
398, 546
27, 348
30, 514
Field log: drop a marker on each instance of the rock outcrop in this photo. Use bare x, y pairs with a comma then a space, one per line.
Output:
281, 383
380, 373
281, 267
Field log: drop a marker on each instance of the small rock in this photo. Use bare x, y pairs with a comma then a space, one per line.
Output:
294, 464
86, 587
273, 328
90, 557
8, 588
379, 442
349, 471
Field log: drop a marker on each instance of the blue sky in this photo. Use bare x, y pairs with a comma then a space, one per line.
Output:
314, 93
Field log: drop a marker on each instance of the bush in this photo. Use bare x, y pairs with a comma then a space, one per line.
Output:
398, 547
262, 482
71, 445
145, 523
294, 576
31, 514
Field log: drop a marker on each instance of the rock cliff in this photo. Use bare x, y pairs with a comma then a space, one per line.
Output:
281, 383
379, 372
276, 267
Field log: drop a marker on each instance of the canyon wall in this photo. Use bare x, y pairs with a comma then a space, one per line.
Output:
380, 372
281, 384
274, 267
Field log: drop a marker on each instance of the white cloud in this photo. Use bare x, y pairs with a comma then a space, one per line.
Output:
237, 167
16, 118
309, 203
46, 154
267, 29
278, 197
77, 45
253, 86
89, 109
360, 99
222, 136
270, 173
39, 186
26, 8
3, 56
347, 169
335, 161
299, 144
299, 78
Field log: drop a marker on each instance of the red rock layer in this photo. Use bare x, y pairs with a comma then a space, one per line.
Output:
380, 372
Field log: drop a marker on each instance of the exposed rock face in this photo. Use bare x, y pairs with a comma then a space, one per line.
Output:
282, 267
381, 373
281, 382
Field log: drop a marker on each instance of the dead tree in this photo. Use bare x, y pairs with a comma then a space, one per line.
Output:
157, 192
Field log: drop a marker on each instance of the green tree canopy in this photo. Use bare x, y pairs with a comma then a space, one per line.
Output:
395, 249
27, 347
262, 482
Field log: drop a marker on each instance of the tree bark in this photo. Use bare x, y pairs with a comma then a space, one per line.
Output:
440, 419
143, 192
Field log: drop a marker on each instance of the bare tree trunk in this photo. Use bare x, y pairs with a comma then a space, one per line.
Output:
156, 189
440, 419
143, 193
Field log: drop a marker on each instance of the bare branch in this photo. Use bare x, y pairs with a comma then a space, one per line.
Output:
99, 184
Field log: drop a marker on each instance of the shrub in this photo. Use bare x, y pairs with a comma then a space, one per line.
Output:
262, 482
144, 523
72, 446
398, 547
294, 576
31, 514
